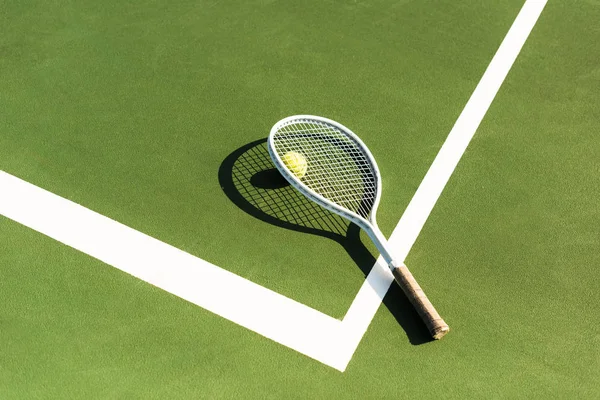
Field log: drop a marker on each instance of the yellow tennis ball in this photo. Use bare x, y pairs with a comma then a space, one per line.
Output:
296, 163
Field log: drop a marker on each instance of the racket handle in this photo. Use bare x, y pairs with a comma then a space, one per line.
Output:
436, 325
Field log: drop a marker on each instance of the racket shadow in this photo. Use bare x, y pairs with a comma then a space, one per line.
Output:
249, 179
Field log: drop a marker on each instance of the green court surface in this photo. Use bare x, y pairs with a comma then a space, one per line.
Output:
155, 114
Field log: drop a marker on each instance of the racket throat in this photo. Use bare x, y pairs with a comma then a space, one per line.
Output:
381, 243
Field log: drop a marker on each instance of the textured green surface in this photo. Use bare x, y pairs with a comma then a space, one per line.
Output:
136, 110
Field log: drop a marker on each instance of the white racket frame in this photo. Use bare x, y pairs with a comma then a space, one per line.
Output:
436, 325
368, 225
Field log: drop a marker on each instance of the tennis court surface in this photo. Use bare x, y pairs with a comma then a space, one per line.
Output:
150, 249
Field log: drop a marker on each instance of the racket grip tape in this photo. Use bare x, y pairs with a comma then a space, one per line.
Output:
436, 325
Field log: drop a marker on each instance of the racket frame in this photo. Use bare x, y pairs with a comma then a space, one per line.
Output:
368, 225
434, 322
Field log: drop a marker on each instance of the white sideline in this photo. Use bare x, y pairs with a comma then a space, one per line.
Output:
406, 232
259, 309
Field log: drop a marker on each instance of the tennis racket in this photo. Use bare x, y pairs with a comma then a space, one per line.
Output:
330, 165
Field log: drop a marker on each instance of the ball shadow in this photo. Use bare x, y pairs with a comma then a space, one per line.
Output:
248, 178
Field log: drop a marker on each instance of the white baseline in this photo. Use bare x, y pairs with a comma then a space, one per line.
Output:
259, 309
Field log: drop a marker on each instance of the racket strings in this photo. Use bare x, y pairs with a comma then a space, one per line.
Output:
348, 192
338, 168
284, 203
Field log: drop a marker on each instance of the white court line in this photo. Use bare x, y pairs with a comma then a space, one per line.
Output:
406, 232
182, 274
270, 314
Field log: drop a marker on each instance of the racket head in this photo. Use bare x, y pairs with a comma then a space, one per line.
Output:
341, 173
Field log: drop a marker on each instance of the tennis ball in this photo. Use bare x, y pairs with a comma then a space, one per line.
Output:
296, 163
